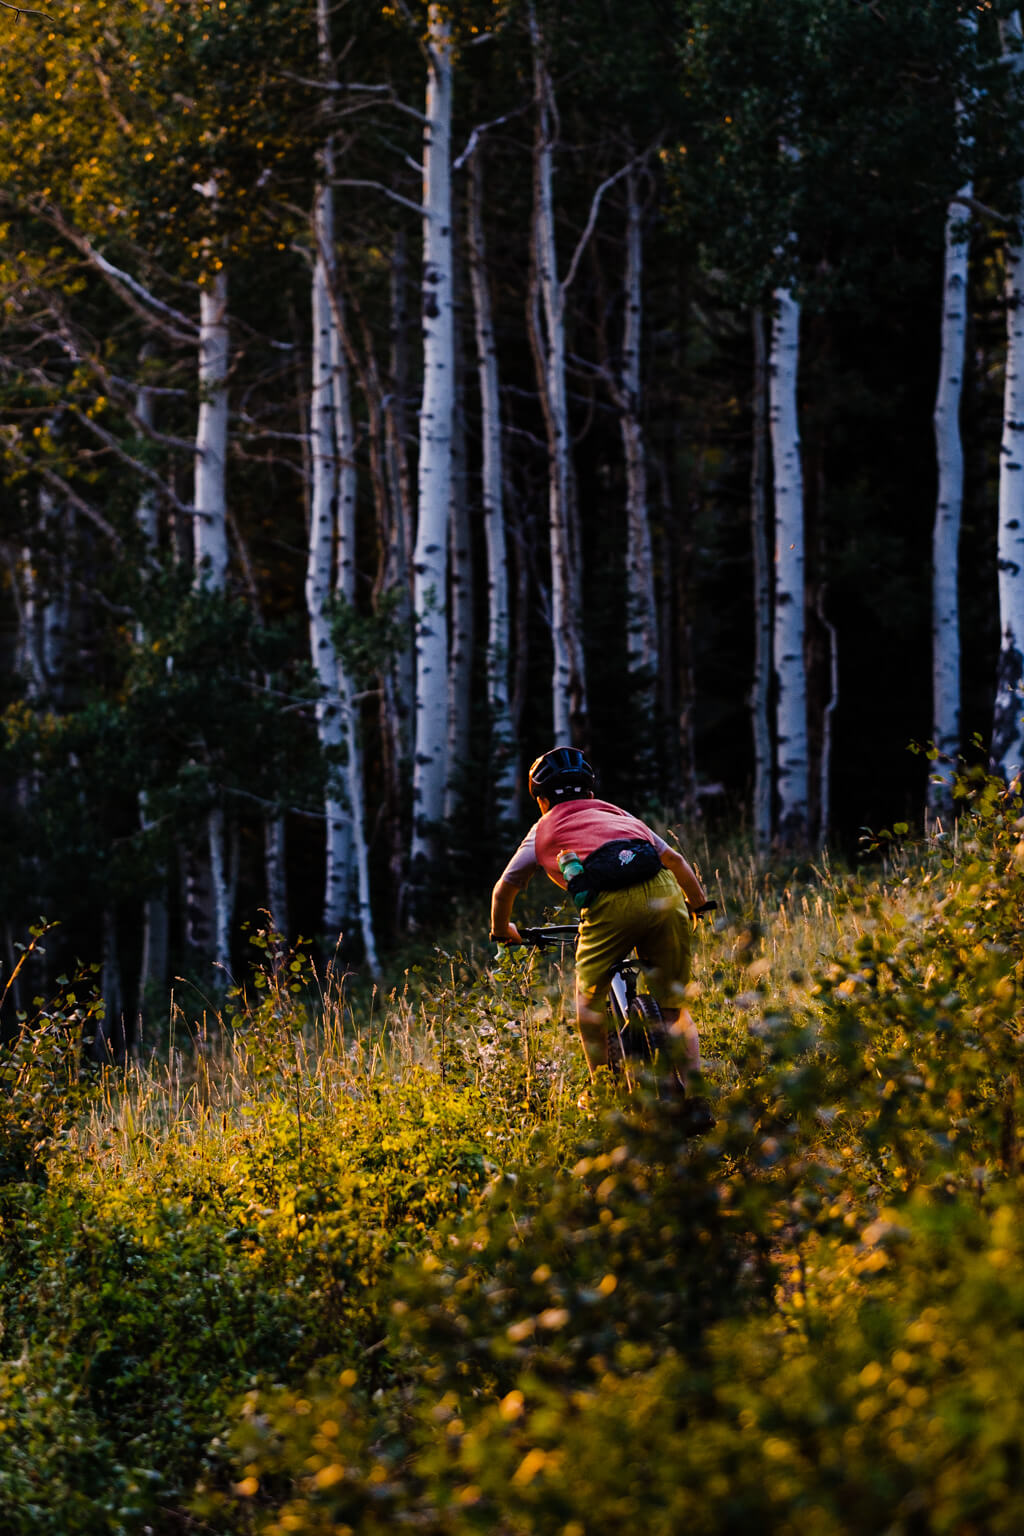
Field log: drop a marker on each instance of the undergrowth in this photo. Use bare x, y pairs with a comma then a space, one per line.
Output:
347, 1263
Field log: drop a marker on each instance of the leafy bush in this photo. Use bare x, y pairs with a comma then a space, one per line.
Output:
434, 1280
811, 1322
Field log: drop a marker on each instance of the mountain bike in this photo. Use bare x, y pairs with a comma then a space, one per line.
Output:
640, 1037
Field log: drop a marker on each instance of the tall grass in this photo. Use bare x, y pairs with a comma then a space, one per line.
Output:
502, 1024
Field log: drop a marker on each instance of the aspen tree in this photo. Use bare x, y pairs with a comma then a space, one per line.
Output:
210, 532
502, 742
331, 564
547, 323
788, 631
398, 701
460, 586
948, 508
762, 572
430, 557
1008, 720
320, 564
625, 386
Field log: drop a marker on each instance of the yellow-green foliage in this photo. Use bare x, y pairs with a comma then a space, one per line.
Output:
342, 1268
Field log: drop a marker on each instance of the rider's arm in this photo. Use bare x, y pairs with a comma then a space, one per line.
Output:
515, 877
691, 887
502, 897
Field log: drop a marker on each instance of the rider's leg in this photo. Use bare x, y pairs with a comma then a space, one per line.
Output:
592, 1023
605, 938
681, 1025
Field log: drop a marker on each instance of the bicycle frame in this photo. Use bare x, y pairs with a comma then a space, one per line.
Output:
623, 986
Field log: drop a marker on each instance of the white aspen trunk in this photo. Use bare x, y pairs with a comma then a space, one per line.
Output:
28, 660
221, 888
274, 845
147, 512
320, 567
642, 624
430, 558
345, 591
761, 688
397, 705
461, 598
55, 608
502, 735
210, 536
398, 576
42, 602
210, 525
569, 699
1007, 732
790, 663
336, 432
948, 511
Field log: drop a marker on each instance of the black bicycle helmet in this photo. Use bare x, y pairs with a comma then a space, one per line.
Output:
561, 774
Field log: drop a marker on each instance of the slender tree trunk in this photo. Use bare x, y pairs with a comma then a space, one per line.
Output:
210, 524
1007, 734
642, 630
828, 718
346, 597
222, 889
398, 675
569, 694
57, 527
522, 540
274, 847
110, 1044
320, 568
210, 539
761, 689
41, 601
430, 559
1007, 728
155, 916
398, 575
790, 663
332, 551
502, 735
948, 511
641, 599
460, 661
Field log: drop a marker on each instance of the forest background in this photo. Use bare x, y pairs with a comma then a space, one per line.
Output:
299, 572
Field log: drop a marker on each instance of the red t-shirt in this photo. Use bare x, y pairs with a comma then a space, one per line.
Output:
583, 826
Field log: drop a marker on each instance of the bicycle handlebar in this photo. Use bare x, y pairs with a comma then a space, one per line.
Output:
567, 933
543, 938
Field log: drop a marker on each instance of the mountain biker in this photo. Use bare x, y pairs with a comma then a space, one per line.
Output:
651, 911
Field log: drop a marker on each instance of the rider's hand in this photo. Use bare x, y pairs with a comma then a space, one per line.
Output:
510, 935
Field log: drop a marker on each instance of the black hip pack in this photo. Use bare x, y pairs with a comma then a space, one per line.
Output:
617, 865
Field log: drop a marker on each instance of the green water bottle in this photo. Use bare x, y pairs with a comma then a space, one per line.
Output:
571, 867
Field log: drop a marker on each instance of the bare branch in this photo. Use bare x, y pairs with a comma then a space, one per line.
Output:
152, 475
20, 11
122, 280
992, 214
591, 221
72, 497
482, 128
406, 202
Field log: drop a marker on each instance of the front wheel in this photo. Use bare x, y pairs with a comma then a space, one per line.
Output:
643, 1037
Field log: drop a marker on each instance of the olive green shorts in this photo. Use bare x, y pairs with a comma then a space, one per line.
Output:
653, 918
